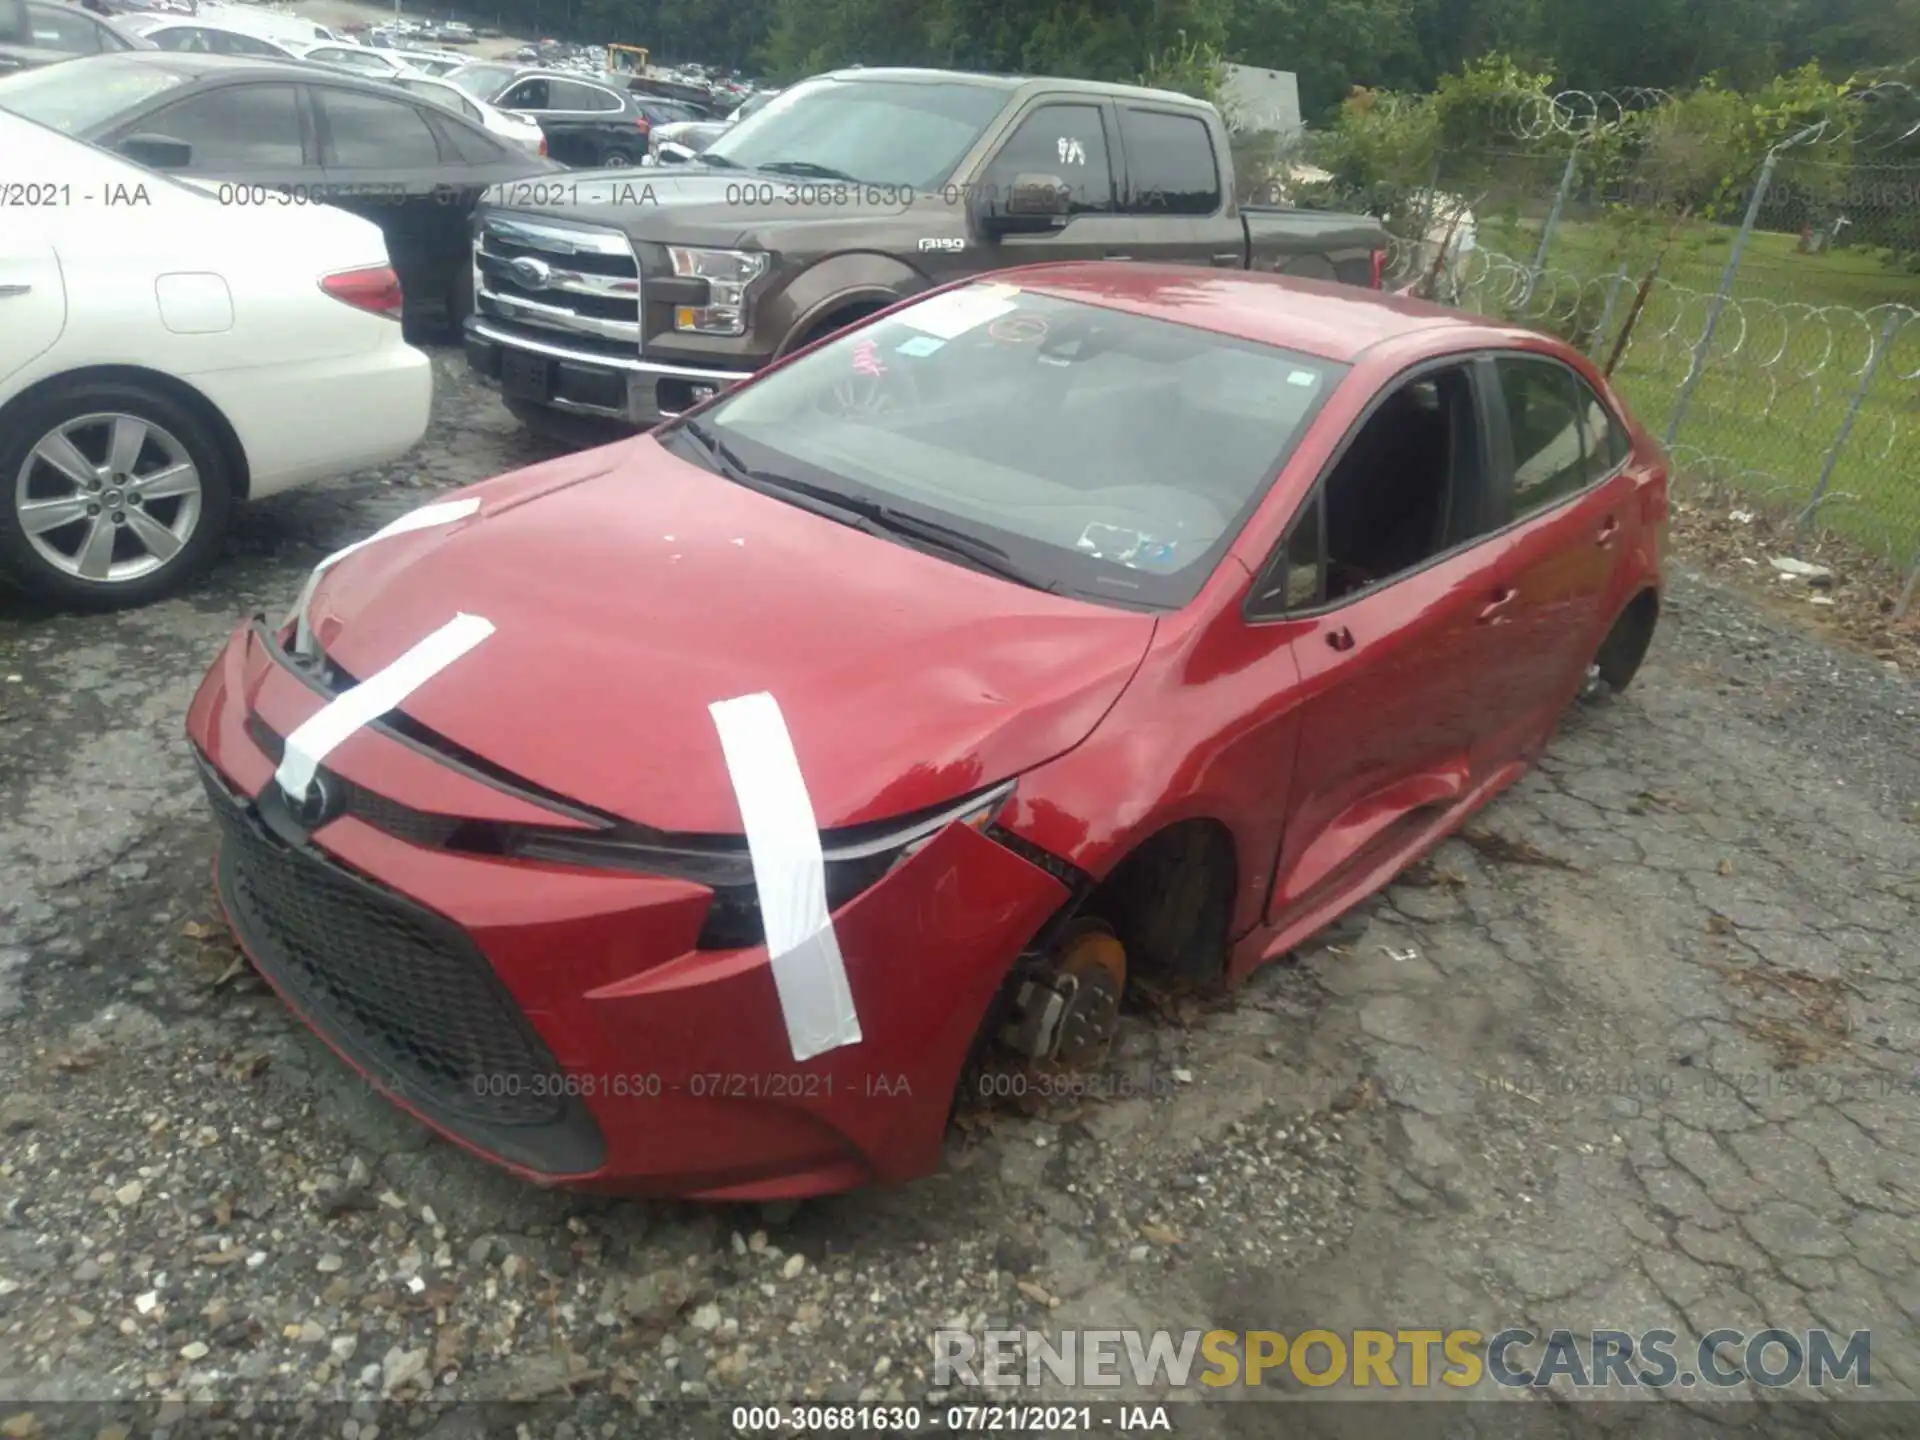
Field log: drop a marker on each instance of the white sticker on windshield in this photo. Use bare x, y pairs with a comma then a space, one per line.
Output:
1302, 377
953, 314
919, 346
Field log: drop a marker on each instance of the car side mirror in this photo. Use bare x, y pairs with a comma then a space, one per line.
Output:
157, 152
1033, 203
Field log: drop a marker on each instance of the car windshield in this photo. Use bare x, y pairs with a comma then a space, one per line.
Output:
483, 82
878, 132
71, 100
1103, 454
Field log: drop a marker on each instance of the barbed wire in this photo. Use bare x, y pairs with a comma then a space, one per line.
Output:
1579, 113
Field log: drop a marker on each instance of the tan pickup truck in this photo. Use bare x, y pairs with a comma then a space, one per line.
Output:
628, 296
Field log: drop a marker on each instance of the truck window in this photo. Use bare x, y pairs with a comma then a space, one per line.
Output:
1171, 167
1068, 141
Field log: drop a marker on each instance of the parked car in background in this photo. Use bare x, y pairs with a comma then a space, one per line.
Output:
484, 79
520, 130
281, 28
426, 62
848, 192
587, 122
297, 137
20, 48
690, 137
66, 27
1259, 588
358, 60
164, 357
195, 37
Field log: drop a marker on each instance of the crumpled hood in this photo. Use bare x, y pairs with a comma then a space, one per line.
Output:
629, 590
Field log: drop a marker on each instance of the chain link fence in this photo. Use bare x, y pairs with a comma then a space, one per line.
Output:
1766, 328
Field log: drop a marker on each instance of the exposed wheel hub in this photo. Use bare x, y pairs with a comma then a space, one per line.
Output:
1066, 1010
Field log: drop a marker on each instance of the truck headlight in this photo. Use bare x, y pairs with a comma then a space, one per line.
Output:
728, 273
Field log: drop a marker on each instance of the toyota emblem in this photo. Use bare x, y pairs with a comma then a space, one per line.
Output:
529, 273
322, 803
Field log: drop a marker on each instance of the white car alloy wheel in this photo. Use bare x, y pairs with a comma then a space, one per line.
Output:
108, 497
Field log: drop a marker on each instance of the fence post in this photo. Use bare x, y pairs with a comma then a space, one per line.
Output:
1553, 223
1719, 301
1606, 311
1882, 344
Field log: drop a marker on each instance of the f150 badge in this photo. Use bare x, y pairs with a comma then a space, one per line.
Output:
942, 243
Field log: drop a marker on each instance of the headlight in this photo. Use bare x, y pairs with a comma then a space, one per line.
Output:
856, 860
728, 273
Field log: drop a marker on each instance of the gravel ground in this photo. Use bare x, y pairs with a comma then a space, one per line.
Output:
1638, 1049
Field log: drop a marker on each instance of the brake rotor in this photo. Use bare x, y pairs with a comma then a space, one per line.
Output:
1092, 965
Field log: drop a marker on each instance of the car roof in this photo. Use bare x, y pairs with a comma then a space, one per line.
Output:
196, 65
216, 68
1315, 317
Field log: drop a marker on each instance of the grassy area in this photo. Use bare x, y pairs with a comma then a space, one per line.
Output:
1784, 370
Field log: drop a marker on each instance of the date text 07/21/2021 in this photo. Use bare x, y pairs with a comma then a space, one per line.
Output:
1021, 1084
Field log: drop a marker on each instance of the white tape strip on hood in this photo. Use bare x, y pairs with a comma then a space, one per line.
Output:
425, 518
790, 873
312, 740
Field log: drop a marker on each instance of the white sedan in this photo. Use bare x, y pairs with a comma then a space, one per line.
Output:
516, 129
164, 357
356, 60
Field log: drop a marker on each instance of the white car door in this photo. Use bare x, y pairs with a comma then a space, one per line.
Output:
33, 295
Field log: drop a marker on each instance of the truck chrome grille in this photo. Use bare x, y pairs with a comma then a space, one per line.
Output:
551, 280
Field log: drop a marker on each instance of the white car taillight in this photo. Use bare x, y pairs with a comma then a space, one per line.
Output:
373, 288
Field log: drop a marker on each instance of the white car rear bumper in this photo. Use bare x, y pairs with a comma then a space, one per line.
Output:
323, 418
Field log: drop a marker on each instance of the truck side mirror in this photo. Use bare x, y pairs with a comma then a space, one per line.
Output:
1032, 204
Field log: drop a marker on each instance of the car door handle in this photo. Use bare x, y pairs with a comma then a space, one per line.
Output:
7, 292
1609, 531
1494, 609
1228, 259
1118, 255
1341, 639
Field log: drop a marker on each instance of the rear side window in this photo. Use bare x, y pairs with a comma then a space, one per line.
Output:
1171, 167
236, 127
1550, 459
368, 132
64, 28
1606, 439
229, 43
572, 95
472, 148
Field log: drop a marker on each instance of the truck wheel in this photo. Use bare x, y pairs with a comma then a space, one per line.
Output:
112, 494
615, 159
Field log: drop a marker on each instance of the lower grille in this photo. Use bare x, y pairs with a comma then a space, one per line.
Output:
403, 993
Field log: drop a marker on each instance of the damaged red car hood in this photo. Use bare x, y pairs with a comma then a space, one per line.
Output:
630, 589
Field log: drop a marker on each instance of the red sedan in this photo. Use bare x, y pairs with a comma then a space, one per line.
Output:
686, 816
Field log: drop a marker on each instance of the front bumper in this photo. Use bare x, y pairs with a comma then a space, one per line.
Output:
560, 1021
585, 382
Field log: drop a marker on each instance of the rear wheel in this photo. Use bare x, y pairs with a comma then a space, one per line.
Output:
115, 494
615, 158
1619, 657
